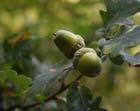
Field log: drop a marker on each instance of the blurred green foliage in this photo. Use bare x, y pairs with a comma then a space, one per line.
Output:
43, 17
119, 85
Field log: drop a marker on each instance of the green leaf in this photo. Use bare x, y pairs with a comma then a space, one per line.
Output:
23, 82
75, 100
126, 7
48, 82
6, 75
18, 52
120, 10
95, 104
105, 16
81, 99
39, 98
20, 81
117, 46
86, 95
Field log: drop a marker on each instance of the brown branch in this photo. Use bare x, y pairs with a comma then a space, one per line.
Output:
53, 97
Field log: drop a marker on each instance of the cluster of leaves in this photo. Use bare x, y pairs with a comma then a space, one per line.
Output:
120, 36
17, 52
81, 99
20, 81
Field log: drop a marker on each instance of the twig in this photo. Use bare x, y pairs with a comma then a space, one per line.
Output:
46, 100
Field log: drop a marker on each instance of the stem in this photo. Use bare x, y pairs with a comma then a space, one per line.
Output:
62, 89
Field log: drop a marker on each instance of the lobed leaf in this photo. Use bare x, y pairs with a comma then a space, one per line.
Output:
48, 82
81, 99
119, 10
118, 45
21, 81
127, 6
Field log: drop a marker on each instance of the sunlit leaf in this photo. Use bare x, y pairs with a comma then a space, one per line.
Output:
20, 81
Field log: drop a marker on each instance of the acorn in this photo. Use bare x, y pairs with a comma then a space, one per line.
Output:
68, 42
87, 62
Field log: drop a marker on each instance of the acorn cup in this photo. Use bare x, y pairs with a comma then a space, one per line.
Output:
87, 62
68, 42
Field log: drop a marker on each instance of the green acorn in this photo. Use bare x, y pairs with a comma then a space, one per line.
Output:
68, 42
87, 62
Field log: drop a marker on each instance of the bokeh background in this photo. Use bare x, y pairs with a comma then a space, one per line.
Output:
119, 85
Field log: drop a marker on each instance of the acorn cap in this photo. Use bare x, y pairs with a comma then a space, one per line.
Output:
87, 62
68, 42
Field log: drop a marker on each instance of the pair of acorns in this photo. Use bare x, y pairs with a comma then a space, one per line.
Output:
85, 60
